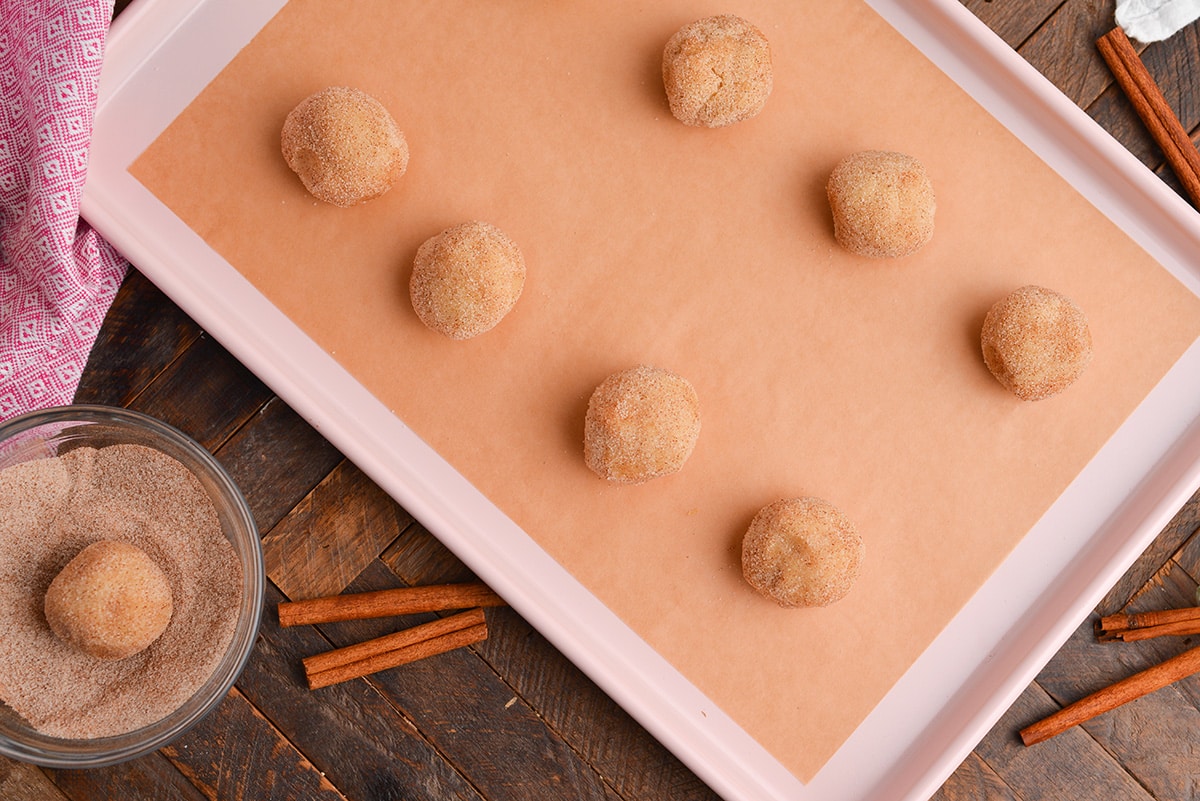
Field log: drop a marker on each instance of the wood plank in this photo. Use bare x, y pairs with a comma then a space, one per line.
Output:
362, 744
1151, 737
20, 781
142, 334
417, 557
205, 393
276, 459
1182, 529
1084, 664
1013, 22
1070, 767
1113, 111
635, 763
974, 780
472, 716
1174, 64
150, 776
1148, 736
336, 531
1064, 49
235, 753
1188, 555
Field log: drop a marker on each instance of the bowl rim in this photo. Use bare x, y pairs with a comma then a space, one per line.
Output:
99, 752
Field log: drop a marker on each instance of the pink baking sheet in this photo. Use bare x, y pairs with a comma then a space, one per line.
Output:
708, 252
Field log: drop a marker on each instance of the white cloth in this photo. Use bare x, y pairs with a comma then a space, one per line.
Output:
1154, 20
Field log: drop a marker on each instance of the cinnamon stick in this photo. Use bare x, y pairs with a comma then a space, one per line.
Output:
1113, 696
399, 656
1115, 627
1136, 620
1133, 626
1156, 114
392, 642
386, 603
1179, 628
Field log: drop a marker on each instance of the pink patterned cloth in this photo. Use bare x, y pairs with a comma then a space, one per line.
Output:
57, 276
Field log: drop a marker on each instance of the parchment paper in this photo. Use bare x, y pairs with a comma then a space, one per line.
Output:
710, 253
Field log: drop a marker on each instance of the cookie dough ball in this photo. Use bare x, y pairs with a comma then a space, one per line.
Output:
882, 204
641, 423
466, 279
717, 71
110, 601
801, 552
344, 145
1036, 342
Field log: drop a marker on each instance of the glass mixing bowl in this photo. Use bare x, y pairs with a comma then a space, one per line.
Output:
48, 433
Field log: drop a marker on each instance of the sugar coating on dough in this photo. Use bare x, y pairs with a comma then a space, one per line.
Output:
801, 552
717, 71
883, 204
111, 601
1036, 342
641, 423
344, 146
466, 279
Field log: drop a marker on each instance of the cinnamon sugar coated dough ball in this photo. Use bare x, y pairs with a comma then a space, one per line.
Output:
1036, 342
111, 601
344, 145
466, 279
641, 423
801, 552
717, 71
883, 204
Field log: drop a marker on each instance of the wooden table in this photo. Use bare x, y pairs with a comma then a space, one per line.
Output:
511, 718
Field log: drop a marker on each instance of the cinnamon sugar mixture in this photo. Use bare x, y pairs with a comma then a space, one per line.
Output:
50, 509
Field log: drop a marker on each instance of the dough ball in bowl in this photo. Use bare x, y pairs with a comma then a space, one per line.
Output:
883, 204
801, 552
111, 601
344, 145
717, 71
641, 423
1036, 342
466, 279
